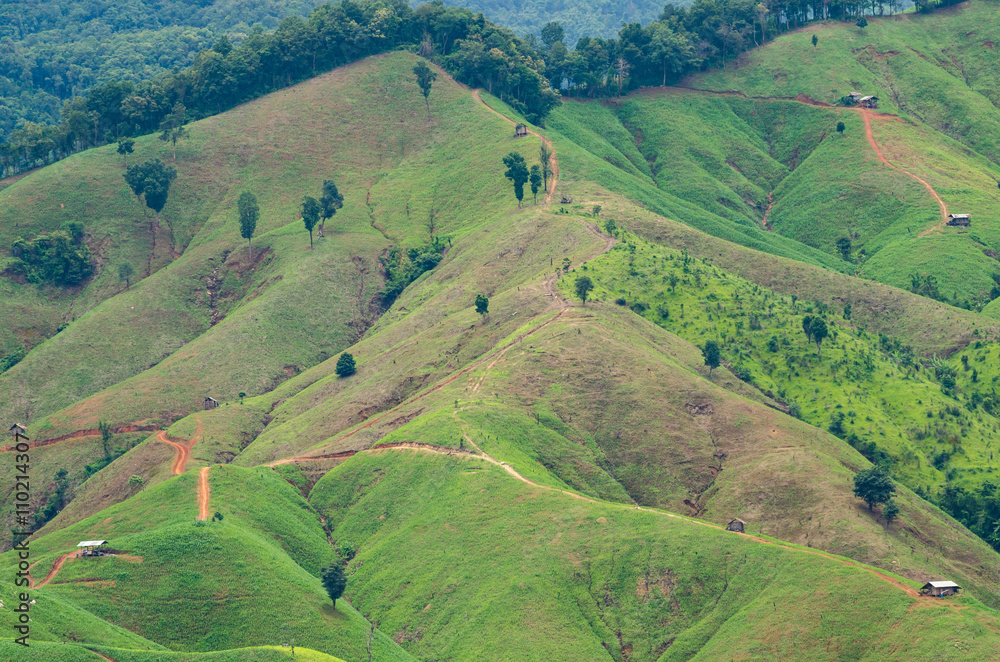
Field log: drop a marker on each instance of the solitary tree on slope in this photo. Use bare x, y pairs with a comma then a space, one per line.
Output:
712, 355
249, 213
874, 486
517, 172
310, 215
334, 581
425, 79
583, 287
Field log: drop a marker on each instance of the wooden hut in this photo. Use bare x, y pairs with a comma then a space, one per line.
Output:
940, 589
855, 97
17, 429
211, 403
960, 220
565, 200
736, 525
868, 102
520, 130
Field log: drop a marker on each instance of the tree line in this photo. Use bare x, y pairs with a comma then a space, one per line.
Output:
524, 72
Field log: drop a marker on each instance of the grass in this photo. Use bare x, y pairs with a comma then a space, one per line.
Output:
561, 578
230, 584
456, 558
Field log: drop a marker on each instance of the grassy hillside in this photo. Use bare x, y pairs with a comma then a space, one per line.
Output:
563, 578
507, 485
230, 582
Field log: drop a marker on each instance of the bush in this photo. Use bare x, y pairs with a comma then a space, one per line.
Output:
54, 258
345, 365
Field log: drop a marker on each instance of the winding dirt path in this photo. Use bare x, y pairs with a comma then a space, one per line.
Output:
204, 493
183, 450
482, 455
867, 116
548, 143
109, 659
53, 571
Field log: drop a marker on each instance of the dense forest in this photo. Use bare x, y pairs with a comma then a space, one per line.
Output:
528, 73
52, 51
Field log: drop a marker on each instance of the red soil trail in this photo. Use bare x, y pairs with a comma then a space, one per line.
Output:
87, 432
109, 659
204, 493
480, 454
183, 450
867, 116
53, 571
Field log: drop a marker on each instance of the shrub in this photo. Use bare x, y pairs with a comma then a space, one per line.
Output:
345, 365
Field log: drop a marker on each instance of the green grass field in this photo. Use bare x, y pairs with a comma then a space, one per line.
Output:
634, 455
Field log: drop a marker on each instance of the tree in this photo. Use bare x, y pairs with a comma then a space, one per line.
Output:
840, 128
844, 247
517, 172
874, 486
105, 430
217, 516
535, 177
425, 79
334, 581
241, 395
545, 160
330, 201
815, 40
596, 210
807, 327
172, 126
712, 355
125, 147
151, 179
819, 332
890, 512
125, 272
482, 305
345, 365
862, 23
552, 32
249, 213
134, 481
583, 287
310, 215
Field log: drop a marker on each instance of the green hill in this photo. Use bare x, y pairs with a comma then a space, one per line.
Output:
545, 479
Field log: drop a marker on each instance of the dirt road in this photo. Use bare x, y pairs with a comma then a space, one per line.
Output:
183, 450
204, 493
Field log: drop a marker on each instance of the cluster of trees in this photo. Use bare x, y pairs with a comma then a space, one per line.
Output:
523, 72
247, 66
60, 257
537, 175
403, 267
52, 51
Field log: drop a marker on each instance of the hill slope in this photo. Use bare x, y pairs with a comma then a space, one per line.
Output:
505, 483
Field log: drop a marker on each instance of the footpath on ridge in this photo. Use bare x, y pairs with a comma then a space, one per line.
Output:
497, 354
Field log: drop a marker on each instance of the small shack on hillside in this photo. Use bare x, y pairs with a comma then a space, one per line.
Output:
92, 547
211, 403
940, 589
868, 102
17, 429
520, 130
855, 97
565, 200
960, 220
736, 525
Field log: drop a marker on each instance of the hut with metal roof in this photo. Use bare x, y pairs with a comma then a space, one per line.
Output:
211, 403
868, 102
520, 131
92, 547
940, 589
17, 429
960, 220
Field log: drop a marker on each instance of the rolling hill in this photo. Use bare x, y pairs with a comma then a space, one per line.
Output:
551, 478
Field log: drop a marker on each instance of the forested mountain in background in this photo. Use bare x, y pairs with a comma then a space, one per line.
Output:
591, 18
51, 51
